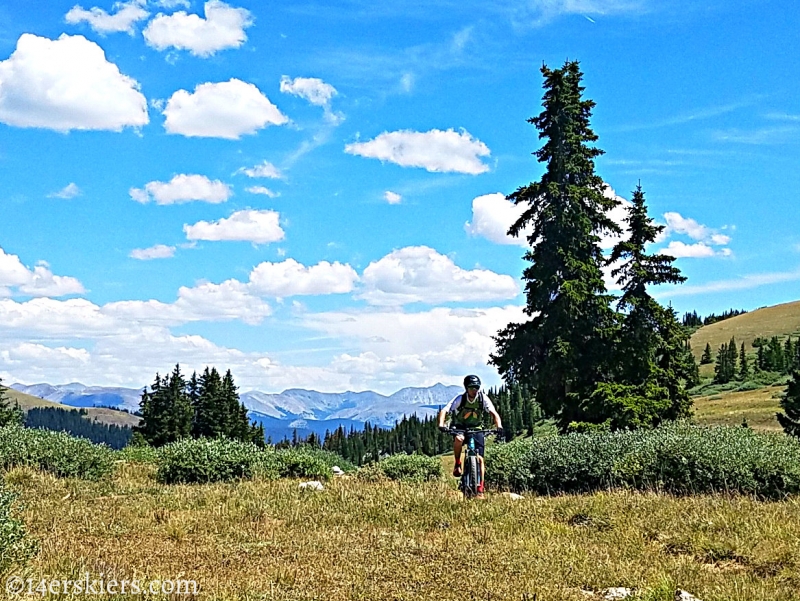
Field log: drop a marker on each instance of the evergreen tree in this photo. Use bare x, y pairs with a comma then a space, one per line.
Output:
790, 403
210, 412
744, 366
733, 359
706, 358
563, 351
9, 415
166, 410
723, 370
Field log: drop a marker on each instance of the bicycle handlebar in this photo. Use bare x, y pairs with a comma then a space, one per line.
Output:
453, 431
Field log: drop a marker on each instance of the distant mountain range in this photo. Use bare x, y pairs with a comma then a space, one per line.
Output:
304, 410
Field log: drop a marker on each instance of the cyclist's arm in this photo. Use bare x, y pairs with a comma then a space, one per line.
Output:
490, 409
445, 410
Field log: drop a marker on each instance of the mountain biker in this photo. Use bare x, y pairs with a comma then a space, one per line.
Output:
469, 410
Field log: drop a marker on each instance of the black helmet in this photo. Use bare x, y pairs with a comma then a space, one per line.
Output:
472, 381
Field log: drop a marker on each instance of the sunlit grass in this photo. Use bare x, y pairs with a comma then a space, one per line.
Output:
270, 540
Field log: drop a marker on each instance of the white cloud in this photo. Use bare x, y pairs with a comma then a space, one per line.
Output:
159, 251
393, 198
67, 84
261, 190
704, 236
71, 190
265, 169
744, 282
258, 227
123, 20
314, 90
435, 150
228, 110
492, 215
680, 250
223, 27
420, 274
290, 278
183, 188
228, 301
39, 281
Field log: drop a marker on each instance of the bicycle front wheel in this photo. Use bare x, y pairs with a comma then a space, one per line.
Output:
472, 473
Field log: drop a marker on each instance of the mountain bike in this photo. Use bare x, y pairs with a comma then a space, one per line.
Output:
471, 469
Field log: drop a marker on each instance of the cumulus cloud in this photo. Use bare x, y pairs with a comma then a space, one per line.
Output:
228, 110
159, 251
259, 227
223, 27
420, 274
230, 300
262, 190
265, 169
67, 84
393, 198
71, 190
39, 281
681, 250
435, 150
492, 215
127, 14
290, 278
704, 236
314, 90
183, 188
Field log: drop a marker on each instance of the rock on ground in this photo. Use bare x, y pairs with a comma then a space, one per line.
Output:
684, 596
312, 485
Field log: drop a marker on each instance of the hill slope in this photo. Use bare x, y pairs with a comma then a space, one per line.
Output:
778, 320
100, 414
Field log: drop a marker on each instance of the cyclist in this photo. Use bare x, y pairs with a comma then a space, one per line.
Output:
469, 410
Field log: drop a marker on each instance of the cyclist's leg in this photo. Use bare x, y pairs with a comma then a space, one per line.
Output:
458, 443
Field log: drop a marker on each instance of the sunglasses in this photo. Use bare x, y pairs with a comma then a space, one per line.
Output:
474, 387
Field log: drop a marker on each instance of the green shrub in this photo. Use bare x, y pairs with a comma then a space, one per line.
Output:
676, 458
209, 460
411, 468
55, 452
138, 454
220, 460
16, 547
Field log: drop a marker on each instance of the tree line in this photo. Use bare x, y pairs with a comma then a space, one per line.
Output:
733, 363
75, 422
202, 406
591, 359
693, 320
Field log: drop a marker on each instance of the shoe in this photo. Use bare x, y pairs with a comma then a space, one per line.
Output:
457, 470
480, 495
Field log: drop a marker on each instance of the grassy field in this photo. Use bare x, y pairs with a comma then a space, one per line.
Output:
354, 541
779, 320
100, 414
758, 407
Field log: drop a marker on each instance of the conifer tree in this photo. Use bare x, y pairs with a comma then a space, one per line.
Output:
9, 415
790, 403
706, 358
563, 350
166, 410
744, 365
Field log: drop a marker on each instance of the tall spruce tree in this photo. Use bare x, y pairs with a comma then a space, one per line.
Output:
744, 365
166, 410
790, 403
9, 415
563, 351
707, 358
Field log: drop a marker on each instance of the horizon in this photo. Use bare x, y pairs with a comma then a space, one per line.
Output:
205, 183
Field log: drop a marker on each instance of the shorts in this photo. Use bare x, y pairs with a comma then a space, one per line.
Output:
480, 443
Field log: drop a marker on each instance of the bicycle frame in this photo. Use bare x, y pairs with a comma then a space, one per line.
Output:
471, 473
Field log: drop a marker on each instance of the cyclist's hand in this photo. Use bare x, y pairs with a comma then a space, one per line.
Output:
499, 431
444, 429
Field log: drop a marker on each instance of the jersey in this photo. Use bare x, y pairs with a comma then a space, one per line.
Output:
469, 414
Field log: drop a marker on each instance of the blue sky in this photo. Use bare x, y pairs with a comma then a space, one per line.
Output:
312, 194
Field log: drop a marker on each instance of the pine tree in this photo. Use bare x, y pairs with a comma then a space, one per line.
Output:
210, 413
563, 351
721, 368
790, 403
706, 358
166, 410
744, 366
9, 415
732, 360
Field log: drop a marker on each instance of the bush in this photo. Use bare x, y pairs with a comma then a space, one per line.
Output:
55, 452
139, 454
220, 460
676, 458
411, 468
15, 545
197, 460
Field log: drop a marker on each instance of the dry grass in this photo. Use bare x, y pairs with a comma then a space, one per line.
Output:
758, 407
779, 320
269, 540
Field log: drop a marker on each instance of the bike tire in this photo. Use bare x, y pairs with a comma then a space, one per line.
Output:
473, 479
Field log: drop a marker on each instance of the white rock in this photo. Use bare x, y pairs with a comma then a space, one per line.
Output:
684, 596
617, 592
337, 471
312, 485
513, 496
